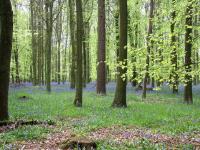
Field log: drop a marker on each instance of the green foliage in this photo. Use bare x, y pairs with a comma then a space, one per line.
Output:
163, 113
23, 134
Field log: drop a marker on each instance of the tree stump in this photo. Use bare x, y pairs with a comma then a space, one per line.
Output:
79, 143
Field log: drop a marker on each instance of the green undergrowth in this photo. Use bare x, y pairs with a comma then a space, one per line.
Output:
160, 112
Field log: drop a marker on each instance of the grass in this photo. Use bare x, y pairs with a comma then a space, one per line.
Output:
160, 112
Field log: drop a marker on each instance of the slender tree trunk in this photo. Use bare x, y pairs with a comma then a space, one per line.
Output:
72, 36
174, 57
149, 47
117, 36
196, 52
16, 56
188, 53
79, 84
87, 46
134, 45
59, 36
101, 67
6, 32
40, 42
120, 92
34, 43
84, 56
16, 47
49, 28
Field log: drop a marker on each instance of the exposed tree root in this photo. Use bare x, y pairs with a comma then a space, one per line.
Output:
11, 125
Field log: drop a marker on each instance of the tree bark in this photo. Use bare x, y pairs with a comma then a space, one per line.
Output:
49, 28
101, 67
149, 47
188, 53
79, 84
6, 33
120, 92
174, 57
72, 36
34, 42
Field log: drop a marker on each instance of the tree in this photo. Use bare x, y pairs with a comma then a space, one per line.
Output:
59, 38
72, 37
120, 92
6, 32
15, 43
101, 67
48, 46
34, 41
79, 84
174, 63
149, 47
188, 53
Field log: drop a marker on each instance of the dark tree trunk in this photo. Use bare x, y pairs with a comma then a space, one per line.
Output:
101, 67
87, 45
149, 47
34, 42
59, 36
133, 36
49, 28
120, 92
188, 53
174, 57
117, 36
84, 56
79, 84
16, 47
16, 56
40, 42
6, 32
72, 36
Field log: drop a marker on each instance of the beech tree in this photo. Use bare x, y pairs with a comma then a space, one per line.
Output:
174, 63
6, 32
48, 46
188, 52
101, 66
149, 47
120, 91
72, 39
79, 84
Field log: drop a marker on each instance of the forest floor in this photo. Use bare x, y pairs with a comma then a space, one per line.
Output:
161, 121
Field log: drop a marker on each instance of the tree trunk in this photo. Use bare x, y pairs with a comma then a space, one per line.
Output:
6, 32
49, 28
101, 67
117, 36
34, 42
72, 36
188, 53
174, 57
120, 92
79, 13
59, 36
87, 46
149, 47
